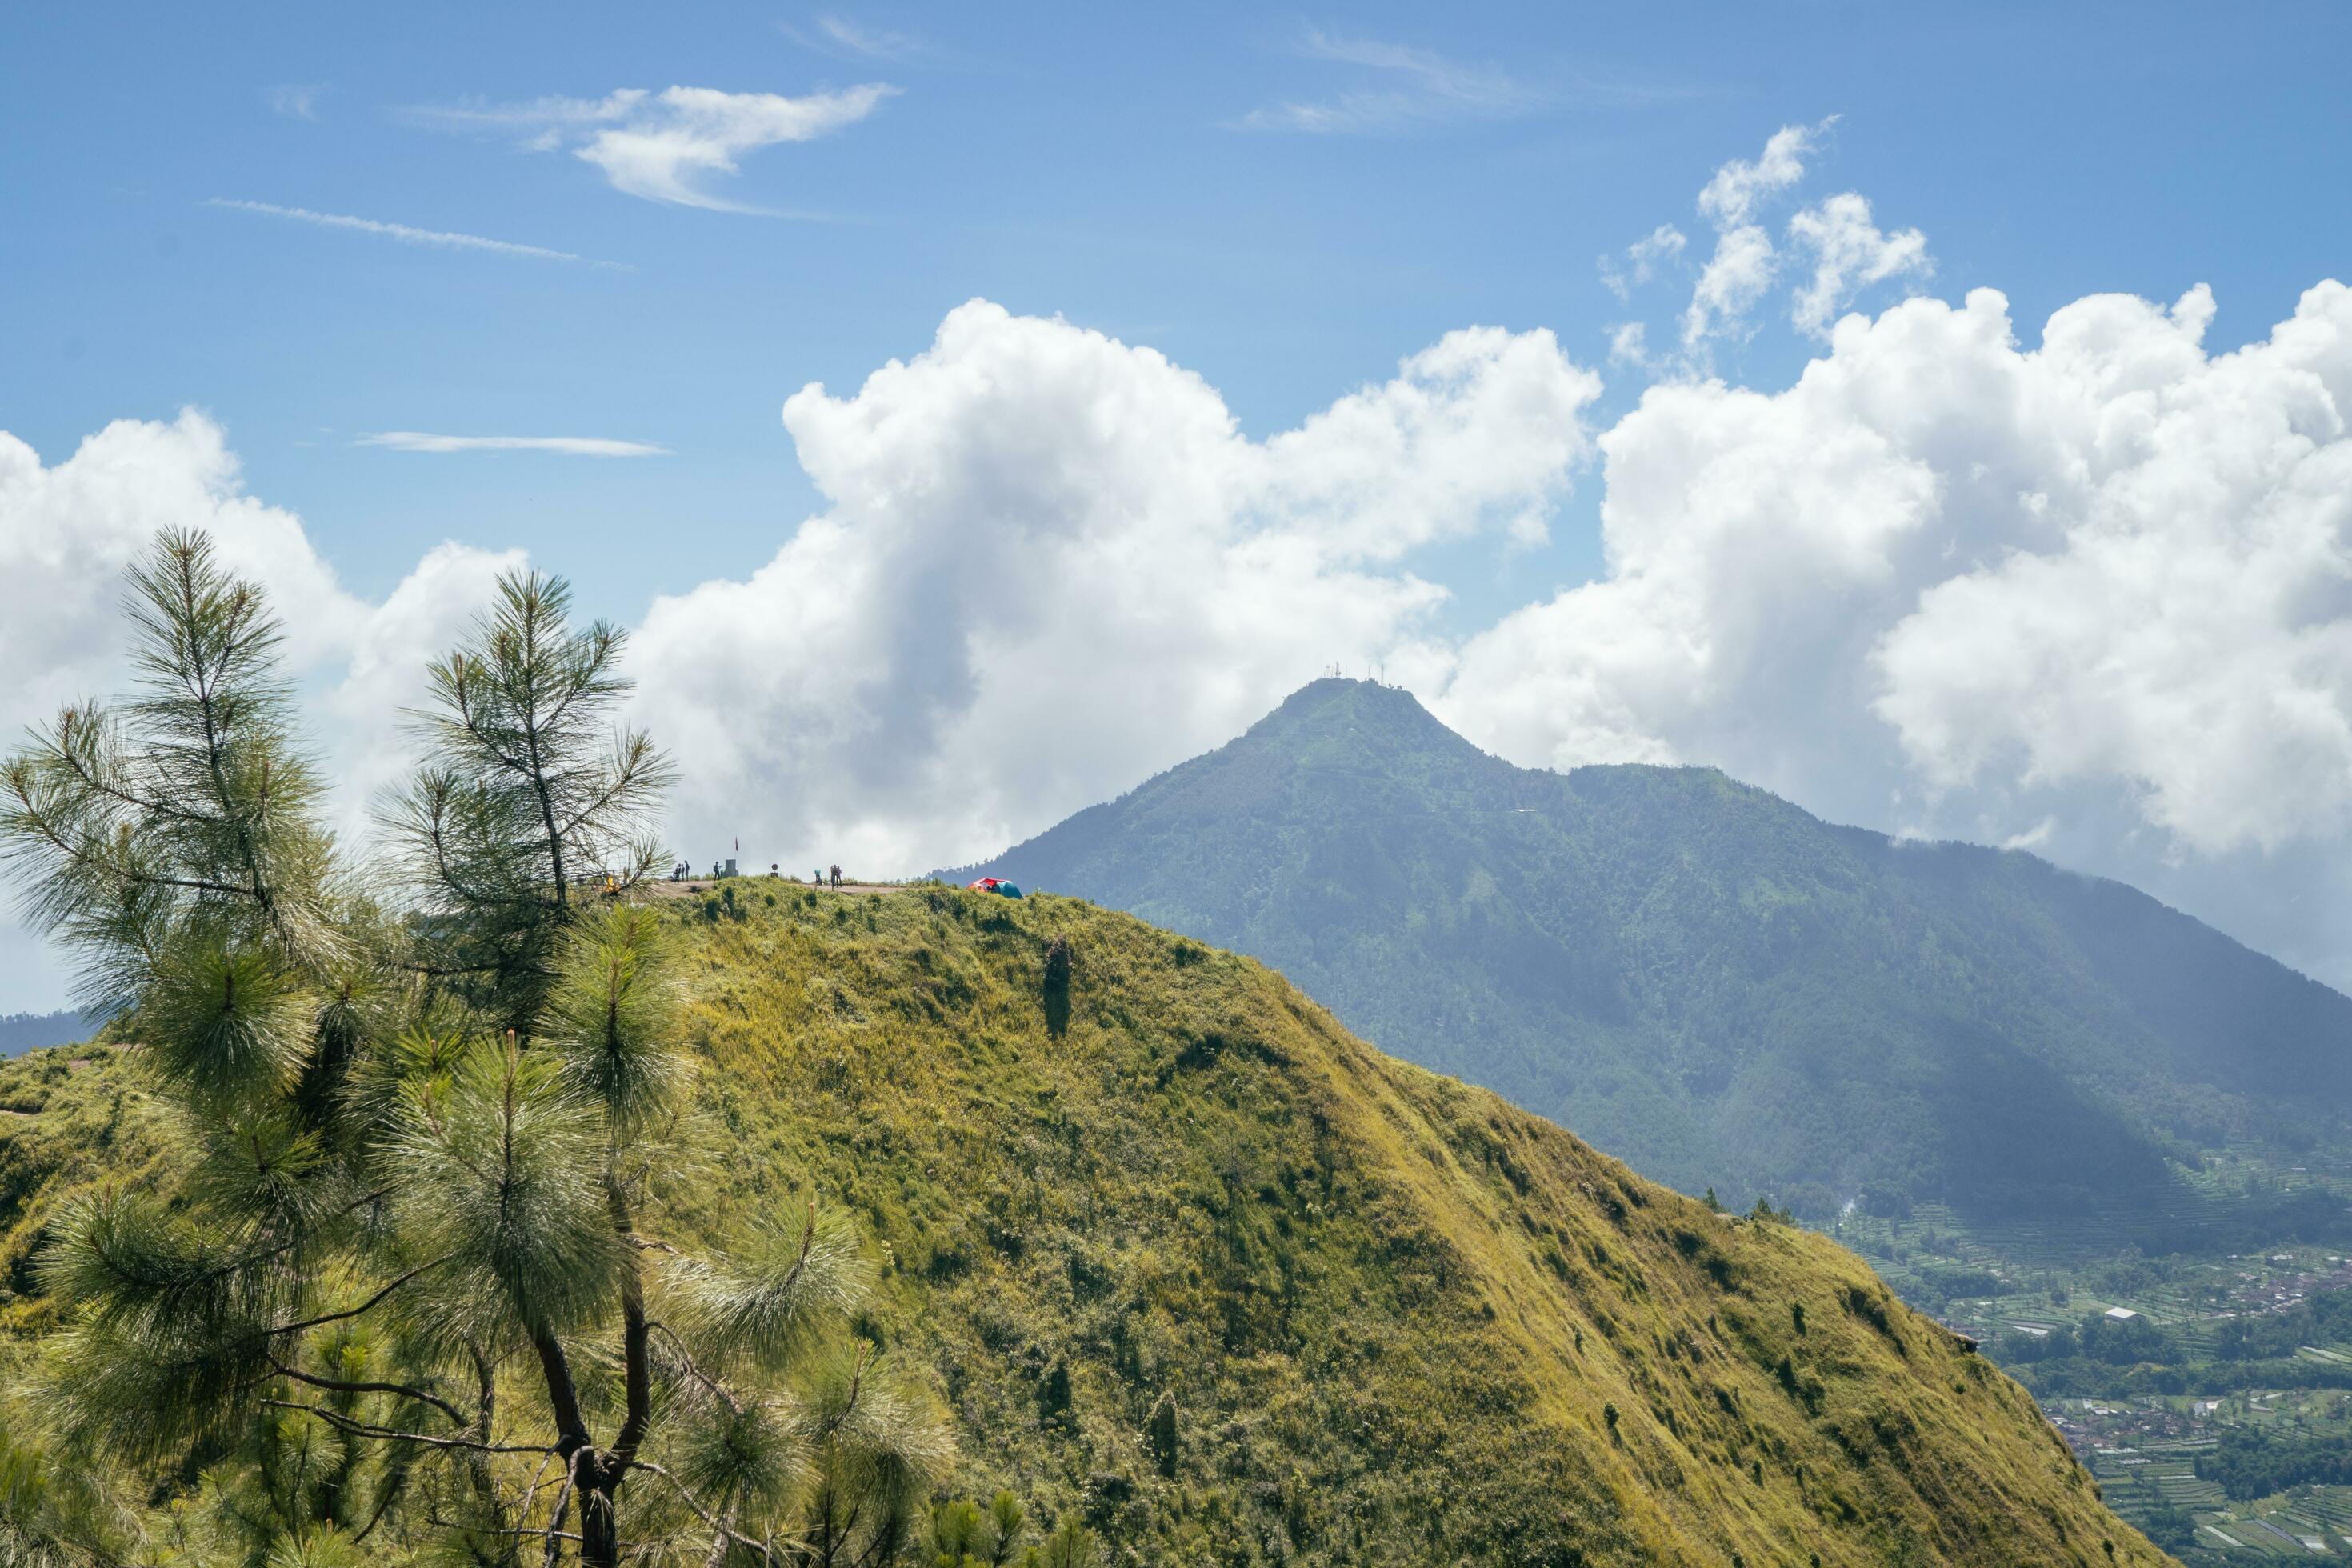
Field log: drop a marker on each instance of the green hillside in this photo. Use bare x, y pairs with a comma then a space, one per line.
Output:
1725, 991
1187, 1258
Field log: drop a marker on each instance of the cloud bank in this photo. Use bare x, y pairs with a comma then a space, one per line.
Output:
2085, 589
1949, 574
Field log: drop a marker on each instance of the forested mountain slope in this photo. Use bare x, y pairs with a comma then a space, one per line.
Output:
22, 1032
1189, 1259
1718, 988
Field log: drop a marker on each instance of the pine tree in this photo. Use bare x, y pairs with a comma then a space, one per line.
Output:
411, 1285
533, 802
1161, 1430
57, 1509
964, 1535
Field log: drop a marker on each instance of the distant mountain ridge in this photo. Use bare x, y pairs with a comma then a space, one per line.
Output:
1717, 987
22, 1032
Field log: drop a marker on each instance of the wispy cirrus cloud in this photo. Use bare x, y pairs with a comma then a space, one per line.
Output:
664, 146
1642, 259
407, 234
295, 100
837, 36
1407, 88
565, 446
542, 124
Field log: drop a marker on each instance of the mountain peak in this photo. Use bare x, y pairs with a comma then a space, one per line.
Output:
1334, 703
1653, 956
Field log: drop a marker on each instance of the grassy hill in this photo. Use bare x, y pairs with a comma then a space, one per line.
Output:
1724, 991
1189, 1259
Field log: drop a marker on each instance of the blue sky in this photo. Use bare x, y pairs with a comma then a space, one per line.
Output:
1090, 161
1923, 569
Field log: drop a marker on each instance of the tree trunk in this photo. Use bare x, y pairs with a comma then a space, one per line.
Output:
599, 1511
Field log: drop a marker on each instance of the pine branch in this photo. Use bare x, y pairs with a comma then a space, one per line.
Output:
371, 1302
687, 1364
207, 711
387, 1494
625, 780
710, 1521
337, 1385
385, 1434
473, 727
44, 829
556, 1534
65, 753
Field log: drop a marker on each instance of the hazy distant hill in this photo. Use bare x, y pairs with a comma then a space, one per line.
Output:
22, 1032
1186, 1258
1700, 978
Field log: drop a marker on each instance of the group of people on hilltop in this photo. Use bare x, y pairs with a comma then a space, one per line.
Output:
683, 869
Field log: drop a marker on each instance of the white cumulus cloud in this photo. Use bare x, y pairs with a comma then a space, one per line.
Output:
1734, 278
2093, 593
66, 532
1849, 253
1743, 264
1050, 564
2179, 615
69, 529
1642, 259
1739, 188
1837, 238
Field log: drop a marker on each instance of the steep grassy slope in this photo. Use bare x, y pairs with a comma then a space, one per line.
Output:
1719, 988
1392, 1320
